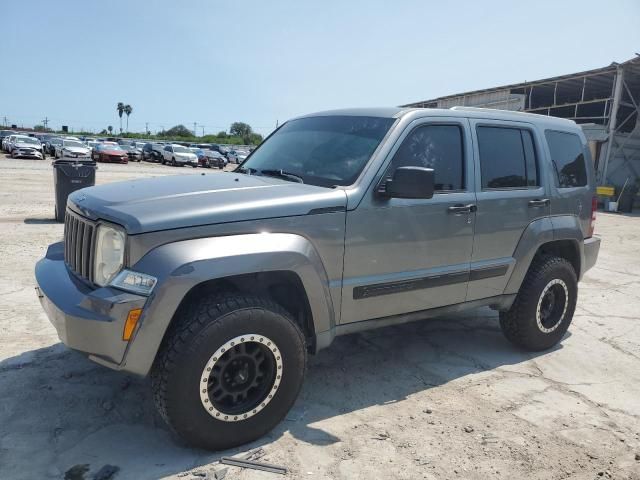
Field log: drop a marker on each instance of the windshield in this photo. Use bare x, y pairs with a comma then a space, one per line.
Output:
73, 143
27, 140
110, 147
178, 149
324, 151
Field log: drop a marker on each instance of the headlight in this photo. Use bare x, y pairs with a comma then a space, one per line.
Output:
134, 282
109, 254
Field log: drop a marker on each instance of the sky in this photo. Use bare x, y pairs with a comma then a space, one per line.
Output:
261, 62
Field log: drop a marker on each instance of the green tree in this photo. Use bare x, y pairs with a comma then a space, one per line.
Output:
221, 134
110, 128
240, 129
127, 110
120, 109
177, 131
39, 128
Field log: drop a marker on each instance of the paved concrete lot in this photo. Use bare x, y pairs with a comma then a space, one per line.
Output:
442, 399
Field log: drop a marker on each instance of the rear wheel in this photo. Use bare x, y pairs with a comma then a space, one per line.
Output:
544, 306
229, 371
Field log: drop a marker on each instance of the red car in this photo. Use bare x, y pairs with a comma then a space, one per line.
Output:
109, 153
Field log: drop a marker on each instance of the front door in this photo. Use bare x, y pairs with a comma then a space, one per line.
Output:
510, 196
407, 255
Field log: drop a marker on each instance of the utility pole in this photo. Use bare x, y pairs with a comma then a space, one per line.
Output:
195, 132
202, 131
146, 127
5, 121
45, 122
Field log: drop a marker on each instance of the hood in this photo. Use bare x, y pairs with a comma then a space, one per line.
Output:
108, 151
153, 204
76, 149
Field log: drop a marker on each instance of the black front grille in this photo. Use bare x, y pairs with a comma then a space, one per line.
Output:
78, 244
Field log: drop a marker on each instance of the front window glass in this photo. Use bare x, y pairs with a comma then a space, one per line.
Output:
72, 143
324, 151
438, 147
181, 150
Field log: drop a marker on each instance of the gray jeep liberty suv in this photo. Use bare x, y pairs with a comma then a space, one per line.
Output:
220, 285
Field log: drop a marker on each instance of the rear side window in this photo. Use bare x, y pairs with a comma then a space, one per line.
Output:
438, 147
568, 158
507, 158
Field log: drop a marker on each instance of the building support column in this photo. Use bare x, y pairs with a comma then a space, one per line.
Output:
613, 117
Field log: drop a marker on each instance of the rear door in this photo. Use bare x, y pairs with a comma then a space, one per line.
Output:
510, 195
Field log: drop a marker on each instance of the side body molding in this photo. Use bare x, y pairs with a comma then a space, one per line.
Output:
537, 233
180, 266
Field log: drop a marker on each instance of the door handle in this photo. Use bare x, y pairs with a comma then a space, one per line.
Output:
460, 209
539, 203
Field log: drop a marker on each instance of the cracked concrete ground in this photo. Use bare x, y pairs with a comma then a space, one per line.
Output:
442, 399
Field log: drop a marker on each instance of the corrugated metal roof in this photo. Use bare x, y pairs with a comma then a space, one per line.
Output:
608, 69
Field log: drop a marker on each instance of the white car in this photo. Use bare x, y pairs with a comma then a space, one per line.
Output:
72, 149
23, 146
179, 156
237, 156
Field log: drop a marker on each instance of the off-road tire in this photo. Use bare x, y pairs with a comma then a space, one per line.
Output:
203, 327
520, 325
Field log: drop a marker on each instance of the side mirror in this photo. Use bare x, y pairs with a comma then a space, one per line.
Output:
409, 182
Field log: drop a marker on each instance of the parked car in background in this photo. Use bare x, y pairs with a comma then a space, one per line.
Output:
26, 147
158, 149
135, 155
179, 156
109, 153
50, 145
71, 149
211, 159
6, 141
11, 140
237, 156
92, 144
4, 134
147, 153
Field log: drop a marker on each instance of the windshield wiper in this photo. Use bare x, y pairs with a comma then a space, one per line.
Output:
282, 174
247, 170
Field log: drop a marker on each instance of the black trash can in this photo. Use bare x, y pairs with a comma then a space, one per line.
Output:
69, 175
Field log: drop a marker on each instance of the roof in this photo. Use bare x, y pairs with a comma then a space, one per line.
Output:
384, 112
596, 71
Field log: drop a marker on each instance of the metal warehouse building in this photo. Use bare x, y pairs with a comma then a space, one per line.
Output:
605, 101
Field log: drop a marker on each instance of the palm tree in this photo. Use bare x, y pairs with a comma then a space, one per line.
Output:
128, 110
120, 109
110, 128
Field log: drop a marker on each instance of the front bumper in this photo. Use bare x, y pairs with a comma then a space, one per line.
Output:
29, 153
591, 249
86, 319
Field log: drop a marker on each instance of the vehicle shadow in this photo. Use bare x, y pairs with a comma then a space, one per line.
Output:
59, 410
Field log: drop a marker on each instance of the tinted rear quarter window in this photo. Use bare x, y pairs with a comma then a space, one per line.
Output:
507, 158
567, 158
438, 147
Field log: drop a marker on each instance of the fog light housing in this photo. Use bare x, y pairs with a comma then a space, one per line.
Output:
134, 282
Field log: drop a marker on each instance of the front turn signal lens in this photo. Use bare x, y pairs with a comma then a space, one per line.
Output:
130, 324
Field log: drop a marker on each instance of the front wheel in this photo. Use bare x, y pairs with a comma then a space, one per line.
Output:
229, 371
543, 309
